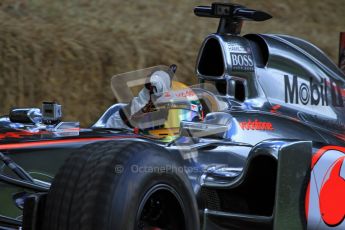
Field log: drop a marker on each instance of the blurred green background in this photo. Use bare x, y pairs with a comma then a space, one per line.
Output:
68, 50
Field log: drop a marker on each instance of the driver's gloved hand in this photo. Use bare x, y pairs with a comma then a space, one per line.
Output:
158, 82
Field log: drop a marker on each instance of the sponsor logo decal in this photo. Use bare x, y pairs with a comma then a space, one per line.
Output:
242, 62
236, 48
332, 199
185, 93
241, 57
195, 107
325, 200
256, 125
325, 93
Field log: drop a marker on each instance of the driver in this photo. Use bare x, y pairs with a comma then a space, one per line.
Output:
158, 82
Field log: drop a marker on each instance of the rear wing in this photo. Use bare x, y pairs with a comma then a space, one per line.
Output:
342, 52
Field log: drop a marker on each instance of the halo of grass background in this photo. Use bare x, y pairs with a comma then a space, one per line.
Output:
67, 50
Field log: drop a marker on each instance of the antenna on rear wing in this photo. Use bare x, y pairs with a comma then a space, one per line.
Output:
231, 16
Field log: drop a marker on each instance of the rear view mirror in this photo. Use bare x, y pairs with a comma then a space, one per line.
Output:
215, 125
26, 115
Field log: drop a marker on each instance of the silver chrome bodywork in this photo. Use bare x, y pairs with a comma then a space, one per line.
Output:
278, 59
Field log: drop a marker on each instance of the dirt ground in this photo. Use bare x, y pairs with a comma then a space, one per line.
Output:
67, 50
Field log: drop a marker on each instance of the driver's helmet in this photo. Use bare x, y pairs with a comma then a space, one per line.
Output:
176, 105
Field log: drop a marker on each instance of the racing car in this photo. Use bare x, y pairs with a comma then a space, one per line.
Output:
258, 144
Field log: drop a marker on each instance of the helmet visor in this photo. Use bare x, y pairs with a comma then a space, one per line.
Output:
175, 116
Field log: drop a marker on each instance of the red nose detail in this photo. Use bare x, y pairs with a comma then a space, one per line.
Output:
332, 196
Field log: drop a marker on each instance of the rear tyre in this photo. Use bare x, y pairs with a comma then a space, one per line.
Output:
121, 185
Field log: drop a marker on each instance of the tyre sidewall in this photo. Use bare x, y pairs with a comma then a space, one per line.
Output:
146, 169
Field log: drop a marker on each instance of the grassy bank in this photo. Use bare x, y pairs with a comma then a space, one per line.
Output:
68, 50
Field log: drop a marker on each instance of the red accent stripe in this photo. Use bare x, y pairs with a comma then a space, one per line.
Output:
57, 142
307, 200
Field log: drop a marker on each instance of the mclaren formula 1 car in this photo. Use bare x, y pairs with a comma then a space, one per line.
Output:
258, 144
